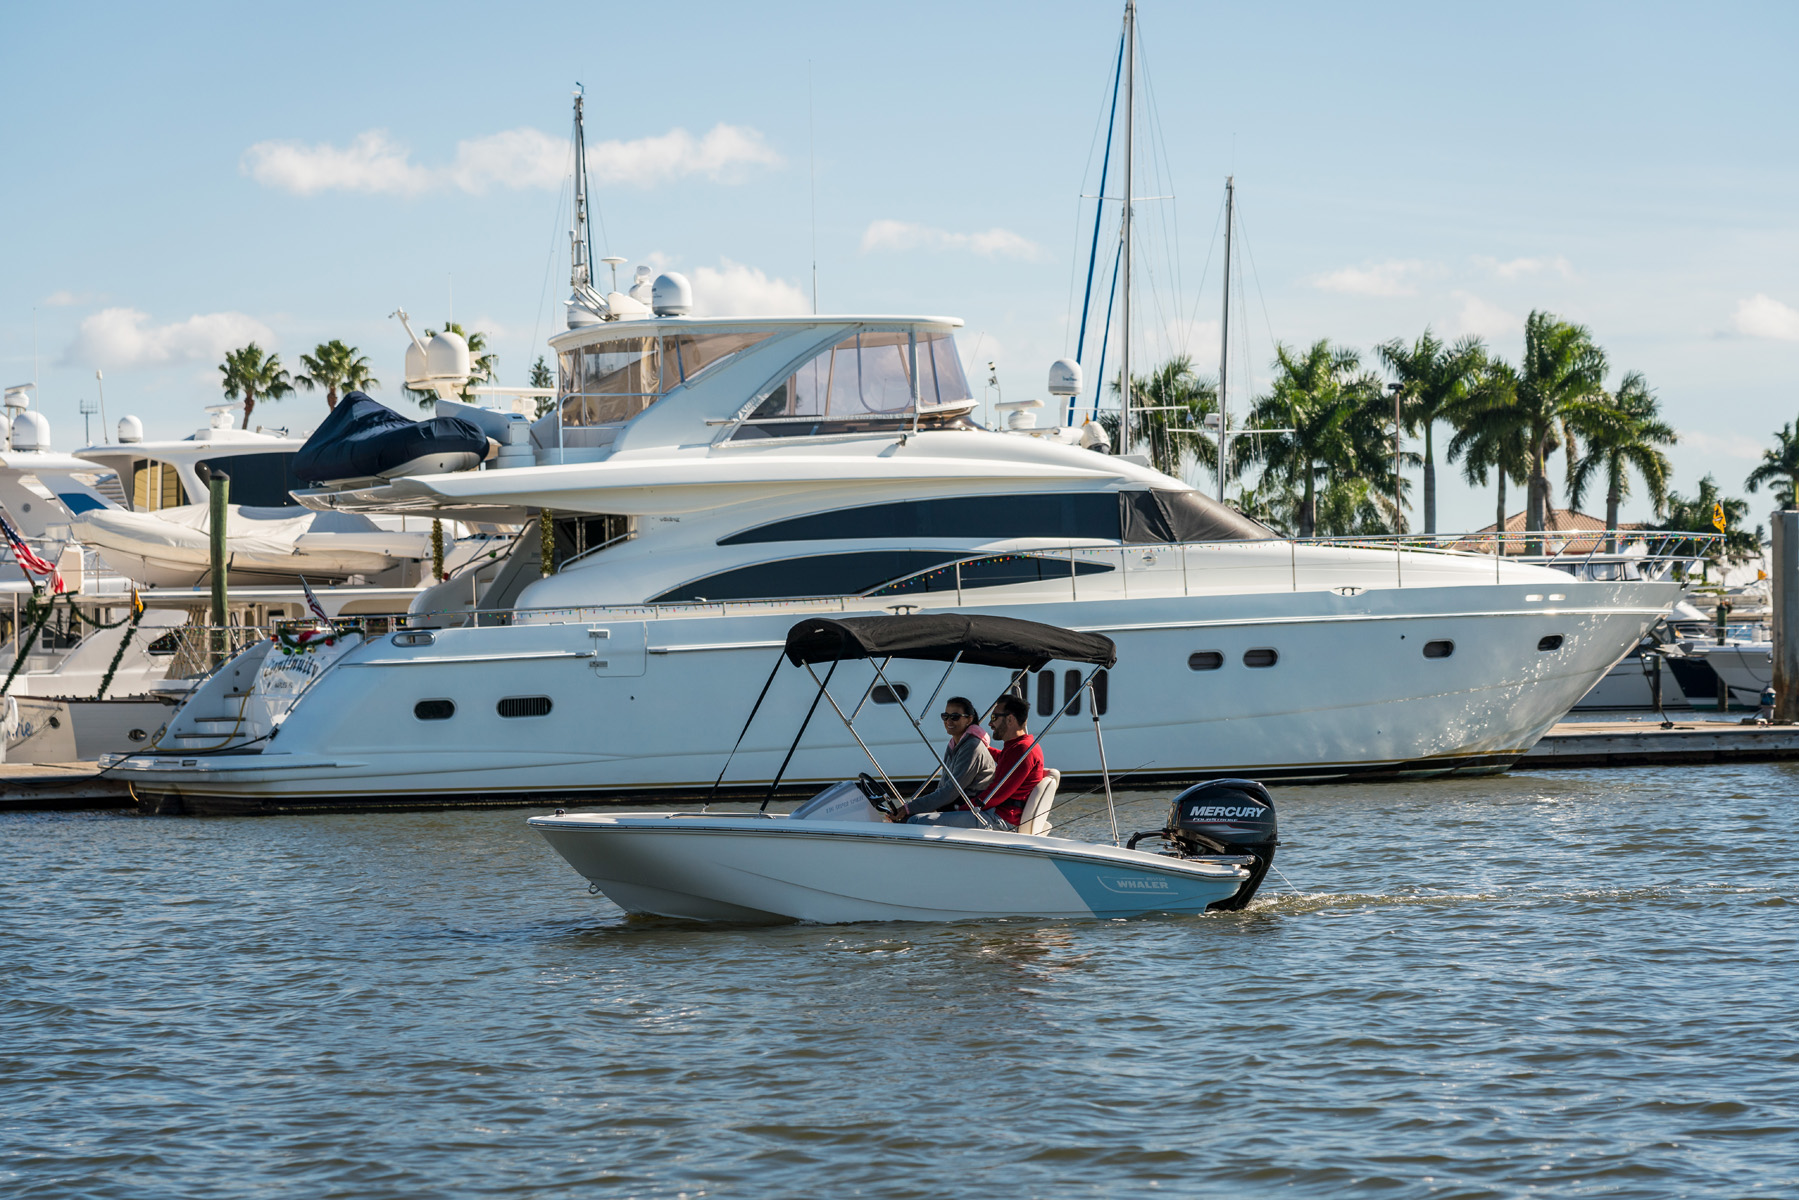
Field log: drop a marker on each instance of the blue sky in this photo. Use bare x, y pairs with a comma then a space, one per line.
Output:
180, 179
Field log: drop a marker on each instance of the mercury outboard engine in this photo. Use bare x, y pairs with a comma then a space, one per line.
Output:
1223, 817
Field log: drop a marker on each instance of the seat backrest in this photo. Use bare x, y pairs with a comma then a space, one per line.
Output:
1035, 817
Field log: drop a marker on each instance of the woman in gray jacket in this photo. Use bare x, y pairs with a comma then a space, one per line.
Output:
969, 761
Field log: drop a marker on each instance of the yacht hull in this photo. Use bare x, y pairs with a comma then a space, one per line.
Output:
746, 868
652, 705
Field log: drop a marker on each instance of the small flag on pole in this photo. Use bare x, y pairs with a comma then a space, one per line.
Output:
1718, 517
312, 602
29, 558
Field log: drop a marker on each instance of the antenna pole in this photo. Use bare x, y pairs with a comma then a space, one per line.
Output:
1224, 335
580, 264
1130, 87
812, 169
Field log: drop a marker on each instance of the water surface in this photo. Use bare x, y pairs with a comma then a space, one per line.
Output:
1562, 984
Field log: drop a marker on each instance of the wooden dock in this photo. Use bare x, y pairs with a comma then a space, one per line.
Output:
1646, 743
46, 787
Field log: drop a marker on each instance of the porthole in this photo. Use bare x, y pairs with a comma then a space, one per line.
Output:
525, 706
1439, 649
1552, 642
434, 710
137, 735
1261, 656
897, 694
1205, 660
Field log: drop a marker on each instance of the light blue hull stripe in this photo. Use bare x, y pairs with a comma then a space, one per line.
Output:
1110, 892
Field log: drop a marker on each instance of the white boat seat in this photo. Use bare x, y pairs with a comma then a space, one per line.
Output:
1035, 817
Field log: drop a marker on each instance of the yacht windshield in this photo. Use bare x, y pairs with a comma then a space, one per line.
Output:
863, 382
613, 381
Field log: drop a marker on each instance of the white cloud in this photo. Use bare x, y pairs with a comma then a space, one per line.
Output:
1765, 317
1726, 445
124, 337
905, 235
1478, 317
1517, 268
516, 158
66, 298
734, 290
1398, 277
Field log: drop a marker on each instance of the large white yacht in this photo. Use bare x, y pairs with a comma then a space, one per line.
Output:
710, 481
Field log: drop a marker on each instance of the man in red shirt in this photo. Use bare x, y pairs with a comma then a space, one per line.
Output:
1018, 771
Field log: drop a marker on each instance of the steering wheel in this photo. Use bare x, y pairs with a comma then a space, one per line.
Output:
877, 795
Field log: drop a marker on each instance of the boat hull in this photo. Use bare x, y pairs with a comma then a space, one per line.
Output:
723, 868
1351, 694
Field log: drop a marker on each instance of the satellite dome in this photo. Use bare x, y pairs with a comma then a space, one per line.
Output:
446, 356
671, 295
415, 365
31, 431
130, 430
1065, 377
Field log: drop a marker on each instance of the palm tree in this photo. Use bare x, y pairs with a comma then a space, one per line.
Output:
1622, 434
1559, 376
1338, 460
250, 374
1696, 516
481, 365
1434, 380
543, 377
1490, 437
1779, 466
335, 367
1168, 412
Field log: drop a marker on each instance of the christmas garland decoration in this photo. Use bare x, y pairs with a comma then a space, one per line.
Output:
39, 614
546, 542
137, 615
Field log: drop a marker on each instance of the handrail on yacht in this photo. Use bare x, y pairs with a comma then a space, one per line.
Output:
626, 536
1662, 554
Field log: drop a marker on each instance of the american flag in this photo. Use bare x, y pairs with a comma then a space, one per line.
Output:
29, 559
312, 602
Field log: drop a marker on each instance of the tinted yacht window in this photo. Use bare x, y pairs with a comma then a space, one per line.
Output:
1056, 514
817, 575
996, 570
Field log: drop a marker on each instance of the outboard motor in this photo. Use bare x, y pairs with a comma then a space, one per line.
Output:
1223, 817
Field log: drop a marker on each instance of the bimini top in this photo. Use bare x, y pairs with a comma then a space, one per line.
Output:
980, 640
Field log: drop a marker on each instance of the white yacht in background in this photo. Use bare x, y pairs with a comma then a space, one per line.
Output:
711, 481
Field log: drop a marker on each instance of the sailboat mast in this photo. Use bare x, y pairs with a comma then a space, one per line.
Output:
1224, 335
1130, 86
580, 240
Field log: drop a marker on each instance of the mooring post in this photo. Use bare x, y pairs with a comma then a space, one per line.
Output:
1786, 617
218, 487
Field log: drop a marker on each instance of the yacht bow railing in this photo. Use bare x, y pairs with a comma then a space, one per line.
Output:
1179, 568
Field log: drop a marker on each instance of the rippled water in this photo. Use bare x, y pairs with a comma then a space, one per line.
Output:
1566, 984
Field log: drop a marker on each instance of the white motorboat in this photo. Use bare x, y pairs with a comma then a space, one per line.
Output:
838, 859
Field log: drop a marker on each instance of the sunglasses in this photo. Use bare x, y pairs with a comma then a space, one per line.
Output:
956, 716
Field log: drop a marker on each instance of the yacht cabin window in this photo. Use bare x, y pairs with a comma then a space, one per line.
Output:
862, 383
155, 485
610, 382
260, 480
874, 573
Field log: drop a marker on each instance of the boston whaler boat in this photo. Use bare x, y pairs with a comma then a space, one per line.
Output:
840, 857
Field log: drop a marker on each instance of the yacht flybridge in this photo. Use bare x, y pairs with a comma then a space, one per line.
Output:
707, 482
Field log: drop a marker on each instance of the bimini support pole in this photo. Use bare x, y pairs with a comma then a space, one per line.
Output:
941, 765
801, 733
824, 690
754, 709
1105, 774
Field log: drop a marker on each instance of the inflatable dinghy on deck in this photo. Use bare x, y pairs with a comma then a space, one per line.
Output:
365, 439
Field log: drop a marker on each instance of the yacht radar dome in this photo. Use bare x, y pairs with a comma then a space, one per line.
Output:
1065, 377
19, 395
447, 357
30, 431
415, 365
1020, 414
640, 286
671, 295
130, 430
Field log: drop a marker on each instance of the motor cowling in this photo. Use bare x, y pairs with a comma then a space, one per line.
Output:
1226, 816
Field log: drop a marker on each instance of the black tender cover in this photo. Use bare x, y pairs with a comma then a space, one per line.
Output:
363, 437
980, 640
